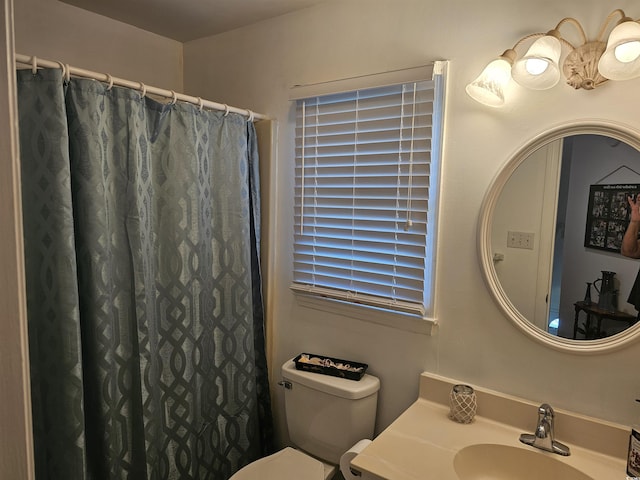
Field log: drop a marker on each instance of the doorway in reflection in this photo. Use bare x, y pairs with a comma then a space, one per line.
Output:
558, 243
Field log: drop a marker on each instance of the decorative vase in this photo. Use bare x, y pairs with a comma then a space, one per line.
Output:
605, 292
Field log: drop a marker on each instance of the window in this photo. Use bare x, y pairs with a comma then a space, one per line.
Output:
366, 190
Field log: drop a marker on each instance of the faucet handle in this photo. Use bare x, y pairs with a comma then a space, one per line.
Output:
545, 410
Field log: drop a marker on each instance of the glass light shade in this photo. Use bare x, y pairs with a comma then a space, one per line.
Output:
621, 59
488, 88
538, 69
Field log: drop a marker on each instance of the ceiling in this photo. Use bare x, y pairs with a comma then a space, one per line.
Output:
186, 20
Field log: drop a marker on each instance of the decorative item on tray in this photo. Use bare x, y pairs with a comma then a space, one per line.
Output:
335, 367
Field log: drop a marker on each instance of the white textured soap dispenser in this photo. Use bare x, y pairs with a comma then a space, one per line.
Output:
633, 459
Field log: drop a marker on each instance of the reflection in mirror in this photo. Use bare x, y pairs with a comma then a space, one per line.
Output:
549, 244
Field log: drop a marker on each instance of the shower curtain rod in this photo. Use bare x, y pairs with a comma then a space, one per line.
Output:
67, 71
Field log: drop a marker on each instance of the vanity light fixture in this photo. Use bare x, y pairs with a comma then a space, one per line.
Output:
586, 66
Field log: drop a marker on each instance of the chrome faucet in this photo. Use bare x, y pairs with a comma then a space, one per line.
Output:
543, 436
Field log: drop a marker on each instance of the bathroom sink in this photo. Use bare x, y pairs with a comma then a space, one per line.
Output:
423, 442
502, 462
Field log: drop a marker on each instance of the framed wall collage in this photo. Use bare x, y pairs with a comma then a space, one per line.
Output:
608, 215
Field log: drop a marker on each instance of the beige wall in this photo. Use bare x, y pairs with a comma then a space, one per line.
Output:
254, 67
56, 31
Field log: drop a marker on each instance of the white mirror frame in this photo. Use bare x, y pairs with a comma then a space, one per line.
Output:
597, 127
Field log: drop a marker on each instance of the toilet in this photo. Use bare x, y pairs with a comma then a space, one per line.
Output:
325, 416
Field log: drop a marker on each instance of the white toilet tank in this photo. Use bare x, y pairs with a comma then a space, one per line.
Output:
327, 415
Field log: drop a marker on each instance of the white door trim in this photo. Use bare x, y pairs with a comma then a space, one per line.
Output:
16, 439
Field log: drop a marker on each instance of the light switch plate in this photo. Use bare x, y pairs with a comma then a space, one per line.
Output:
520, 240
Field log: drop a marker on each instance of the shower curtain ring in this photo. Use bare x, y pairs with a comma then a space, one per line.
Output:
226, 109
200, 103
63, 68
110, 80
250, 116
143, 90
67, 73
34, 64
174, 97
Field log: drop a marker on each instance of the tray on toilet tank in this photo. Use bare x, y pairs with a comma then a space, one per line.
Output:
335, 367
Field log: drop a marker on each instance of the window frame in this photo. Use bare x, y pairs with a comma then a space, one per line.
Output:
426, 323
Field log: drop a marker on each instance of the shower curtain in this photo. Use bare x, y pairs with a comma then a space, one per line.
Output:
141, 229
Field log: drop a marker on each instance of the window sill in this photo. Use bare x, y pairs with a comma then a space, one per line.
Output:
398, 320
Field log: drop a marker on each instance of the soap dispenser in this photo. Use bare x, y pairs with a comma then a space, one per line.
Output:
633, 459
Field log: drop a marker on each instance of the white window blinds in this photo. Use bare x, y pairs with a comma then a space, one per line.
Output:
363, 166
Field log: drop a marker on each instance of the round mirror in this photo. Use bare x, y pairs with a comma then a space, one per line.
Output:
550, 231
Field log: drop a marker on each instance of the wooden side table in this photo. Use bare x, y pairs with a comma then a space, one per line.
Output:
592, 310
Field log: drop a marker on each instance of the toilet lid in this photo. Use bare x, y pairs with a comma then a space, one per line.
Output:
287, 463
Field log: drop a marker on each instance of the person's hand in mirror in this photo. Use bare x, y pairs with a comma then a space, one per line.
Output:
630, 244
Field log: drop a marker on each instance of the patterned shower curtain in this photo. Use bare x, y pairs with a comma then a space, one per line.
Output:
141, 229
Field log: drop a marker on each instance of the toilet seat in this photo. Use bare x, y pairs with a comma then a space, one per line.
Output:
287, 463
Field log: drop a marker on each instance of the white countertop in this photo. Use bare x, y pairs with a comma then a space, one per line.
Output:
423, 441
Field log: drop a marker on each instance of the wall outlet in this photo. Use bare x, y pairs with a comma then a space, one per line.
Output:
520, 240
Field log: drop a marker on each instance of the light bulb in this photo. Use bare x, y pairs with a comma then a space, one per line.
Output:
536, 66
628, 52
538, 69
621, 59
